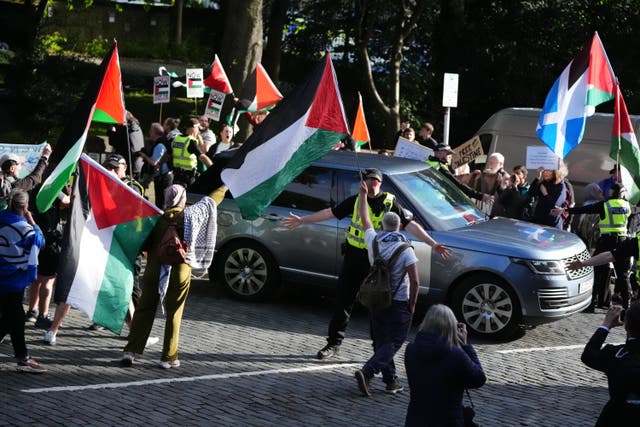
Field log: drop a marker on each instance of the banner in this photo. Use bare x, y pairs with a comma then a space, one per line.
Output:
466, 152
411, 150
161, 89
29, 155
195, 84
214, 105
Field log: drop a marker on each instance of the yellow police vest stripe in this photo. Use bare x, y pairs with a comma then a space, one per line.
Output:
355, 233
616, 214
182, 159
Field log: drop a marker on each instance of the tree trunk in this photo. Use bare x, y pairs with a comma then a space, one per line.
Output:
273, 50
242, 46
178, 10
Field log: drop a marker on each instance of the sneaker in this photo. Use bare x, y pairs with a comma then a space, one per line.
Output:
49, 338
95, 327
151, 341
43, 322
393, 387
32, 316
169, 364
127, 359
29, 364
363, 383
328, 351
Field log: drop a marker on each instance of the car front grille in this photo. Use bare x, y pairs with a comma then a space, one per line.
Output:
555, 298
581, 272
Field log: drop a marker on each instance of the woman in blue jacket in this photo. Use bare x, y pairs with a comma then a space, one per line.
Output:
20, 240
440, 365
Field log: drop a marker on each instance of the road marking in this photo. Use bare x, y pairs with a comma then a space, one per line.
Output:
189, 379
533, 349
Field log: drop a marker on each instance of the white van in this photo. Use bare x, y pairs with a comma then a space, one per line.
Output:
511, 130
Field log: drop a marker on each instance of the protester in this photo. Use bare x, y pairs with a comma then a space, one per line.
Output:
356, 262
185, 152
10, 167
425, 138
606, 183
169, 284
390, 326
21, 239
492, 181
440, 365
621, 364
586, 225
159, 161
551, 190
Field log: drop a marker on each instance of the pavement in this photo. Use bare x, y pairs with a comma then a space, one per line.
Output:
253, 364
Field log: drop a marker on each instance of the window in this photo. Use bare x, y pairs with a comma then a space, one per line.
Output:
311, 191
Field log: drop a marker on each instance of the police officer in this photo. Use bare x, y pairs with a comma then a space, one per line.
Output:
356, 262
185, 152
614, 215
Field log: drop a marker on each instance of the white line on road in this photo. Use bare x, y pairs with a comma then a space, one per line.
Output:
533, 349
188, 379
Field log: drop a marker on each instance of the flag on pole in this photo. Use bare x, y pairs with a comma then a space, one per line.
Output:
360, 131
71, 142
216, 78
624, 148
586, 82
110, 100
258, 92
107, 225
303, 127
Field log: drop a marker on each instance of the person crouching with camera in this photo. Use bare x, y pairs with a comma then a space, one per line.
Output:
621, 364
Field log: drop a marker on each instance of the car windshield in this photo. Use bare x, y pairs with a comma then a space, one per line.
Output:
441, 203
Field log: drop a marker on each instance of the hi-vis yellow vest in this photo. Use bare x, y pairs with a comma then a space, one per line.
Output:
437, 165
616, 214
355, 234
182, 159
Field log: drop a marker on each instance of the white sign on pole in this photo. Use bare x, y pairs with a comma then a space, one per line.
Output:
538, 156
195, 83
161, 89
214, 105
450, 90
28, 154
411, 150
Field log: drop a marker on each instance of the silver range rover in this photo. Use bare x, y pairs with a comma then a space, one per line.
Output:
502, 273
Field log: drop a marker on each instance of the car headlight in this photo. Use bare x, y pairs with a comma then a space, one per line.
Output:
542, 267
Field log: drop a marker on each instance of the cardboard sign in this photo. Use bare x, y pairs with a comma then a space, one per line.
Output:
411, 150
161, 89
214, 105
28, 154
467, 152
195, 83
538, 156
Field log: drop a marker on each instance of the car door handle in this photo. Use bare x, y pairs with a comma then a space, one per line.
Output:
272, 217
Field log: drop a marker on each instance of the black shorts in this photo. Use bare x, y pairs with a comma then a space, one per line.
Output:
48, 260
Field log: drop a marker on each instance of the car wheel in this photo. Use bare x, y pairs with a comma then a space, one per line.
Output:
488, 307
247, 271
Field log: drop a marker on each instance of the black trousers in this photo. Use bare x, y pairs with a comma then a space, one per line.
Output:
622, 267
160, 183
354, 269
12, 321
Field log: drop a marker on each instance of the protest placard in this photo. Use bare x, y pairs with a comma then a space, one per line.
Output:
214, 105
411, 150
541, 156
161, 89
195, 84
28, 154
466, 152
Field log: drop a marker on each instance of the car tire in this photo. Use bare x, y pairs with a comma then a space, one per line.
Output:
247, 271
488, 306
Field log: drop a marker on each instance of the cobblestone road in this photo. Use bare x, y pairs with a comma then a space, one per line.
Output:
253, 365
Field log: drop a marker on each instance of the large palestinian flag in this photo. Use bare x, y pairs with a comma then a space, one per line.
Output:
215, 77
304, 126
107, 226
258, 92
67, 151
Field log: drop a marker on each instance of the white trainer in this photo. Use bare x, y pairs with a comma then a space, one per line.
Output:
49, 338
169, 364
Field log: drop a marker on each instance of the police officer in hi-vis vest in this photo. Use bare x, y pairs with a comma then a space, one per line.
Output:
614, 215
355, 265
185, 154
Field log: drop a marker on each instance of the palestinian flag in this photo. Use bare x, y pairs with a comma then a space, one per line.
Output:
586, 82
303, 127
216, 78
360, 132
71, 142
258, 92
110, 101
624, 148
108, 224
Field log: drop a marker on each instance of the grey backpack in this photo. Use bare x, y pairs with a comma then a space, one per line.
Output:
5, 189
376, 292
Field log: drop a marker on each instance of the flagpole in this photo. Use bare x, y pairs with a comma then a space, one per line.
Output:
160, 119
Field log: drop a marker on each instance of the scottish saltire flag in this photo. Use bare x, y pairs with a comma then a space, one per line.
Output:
303, 127
587, 82
102, 101
106, 228
624, 148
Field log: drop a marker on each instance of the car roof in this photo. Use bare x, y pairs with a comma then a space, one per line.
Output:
388, 165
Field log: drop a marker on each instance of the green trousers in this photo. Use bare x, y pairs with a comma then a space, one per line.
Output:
145, 313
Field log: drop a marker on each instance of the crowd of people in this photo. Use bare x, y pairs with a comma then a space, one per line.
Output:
440, 363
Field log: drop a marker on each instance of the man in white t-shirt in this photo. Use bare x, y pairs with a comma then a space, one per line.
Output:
389, 327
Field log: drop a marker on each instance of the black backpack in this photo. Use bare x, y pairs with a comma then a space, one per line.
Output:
376, 292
